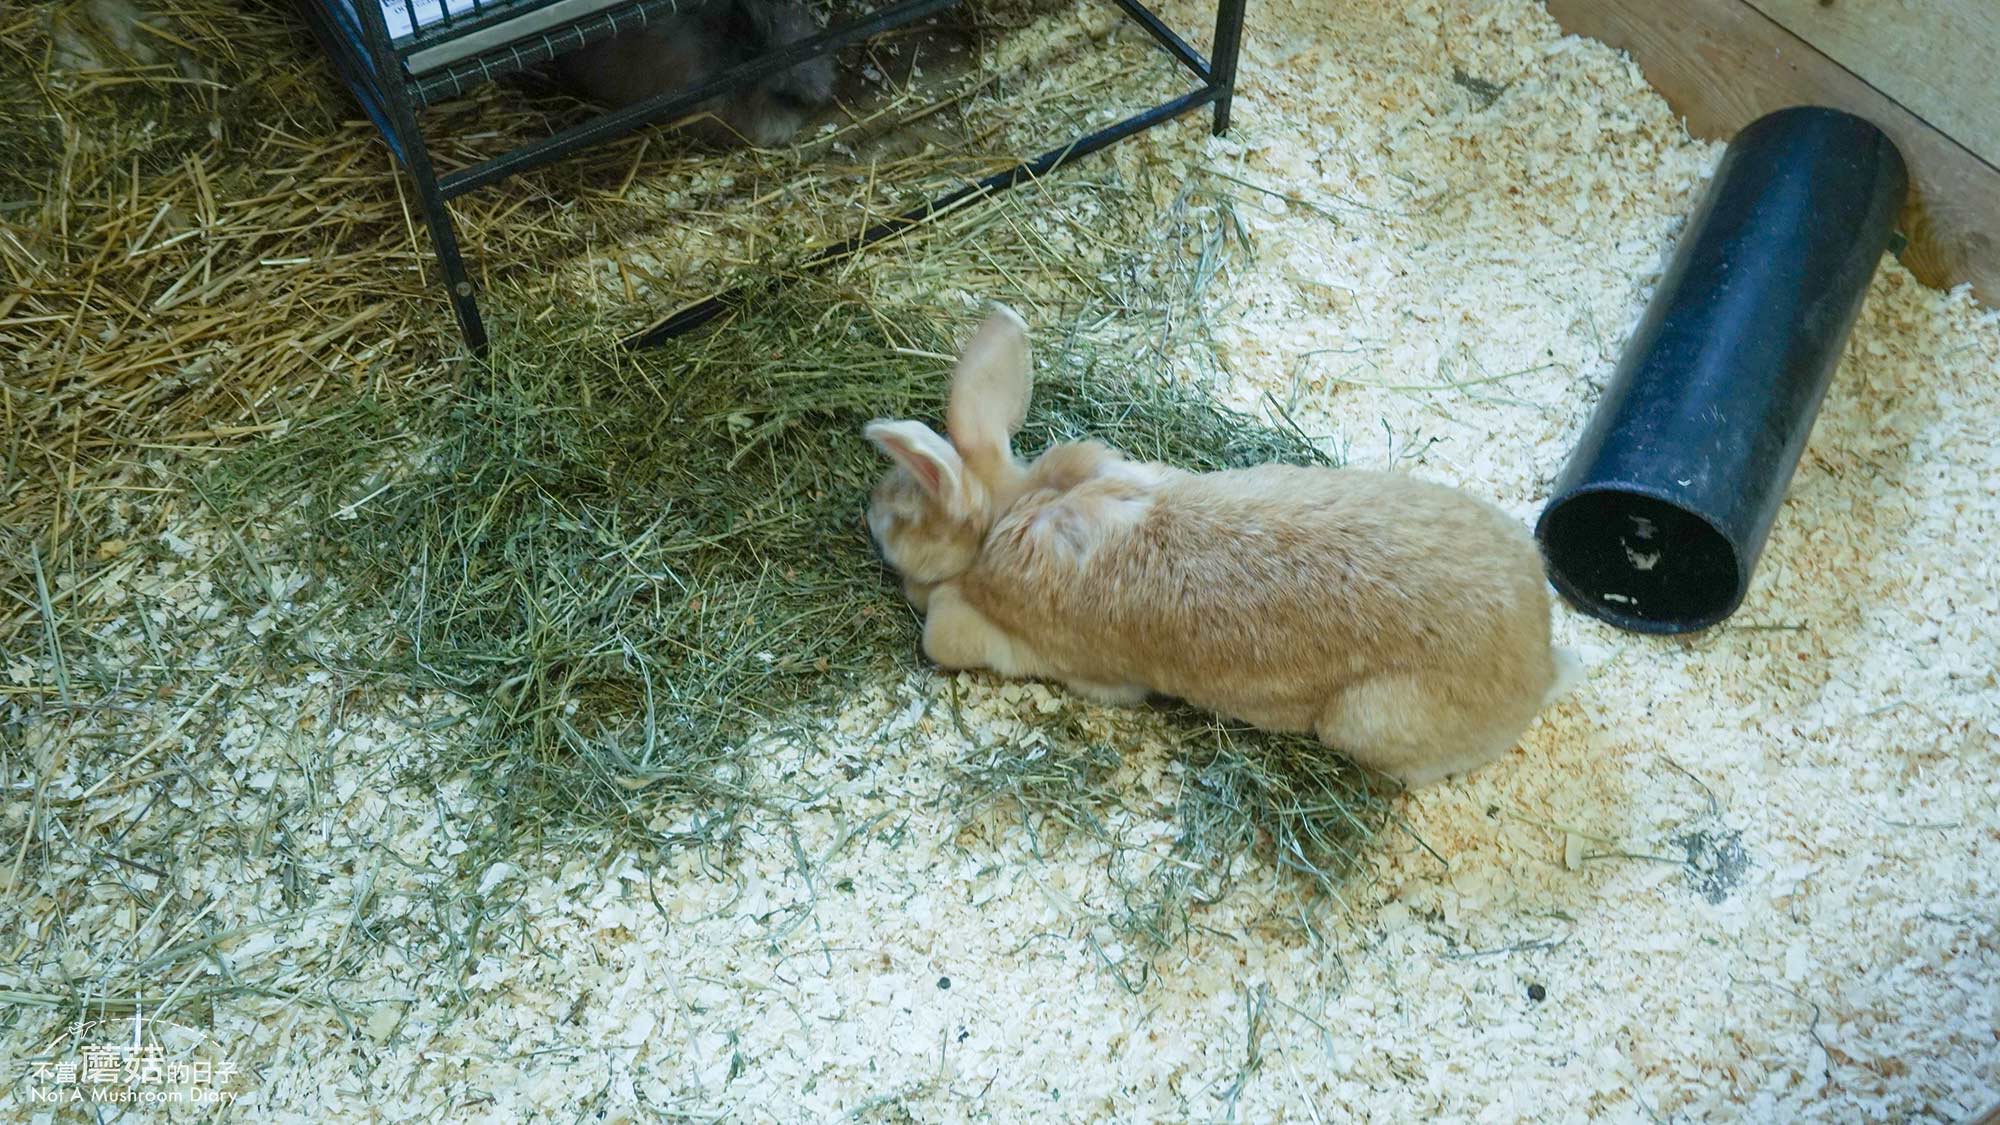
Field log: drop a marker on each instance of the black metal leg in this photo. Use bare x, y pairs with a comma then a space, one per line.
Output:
393, 100
444, 238
1222, 63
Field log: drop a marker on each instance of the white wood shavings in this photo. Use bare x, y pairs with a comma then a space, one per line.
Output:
1750, 875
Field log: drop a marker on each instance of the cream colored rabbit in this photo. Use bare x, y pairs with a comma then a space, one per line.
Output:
1404, 623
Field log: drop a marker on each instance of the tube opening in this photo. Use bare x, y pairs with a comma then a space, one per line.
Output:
1639, 562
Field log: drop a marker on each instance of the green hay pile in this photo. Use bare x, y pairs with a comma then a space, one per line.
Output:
203, 237
631, 564
1244, 796
626, 567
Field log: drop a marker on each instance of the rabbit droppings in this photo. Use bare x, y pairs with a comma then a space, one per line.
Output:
676, 51
1404, 623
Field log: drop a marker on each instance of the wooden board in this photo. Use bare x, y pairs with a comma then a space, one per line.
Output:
1721, 64
1939, 58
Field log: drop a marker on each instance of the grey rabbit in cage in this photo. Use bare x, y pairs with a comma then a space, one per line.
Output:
672, 52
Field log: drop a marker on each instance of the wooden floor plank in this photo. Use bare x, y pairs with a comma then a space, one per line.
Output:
1721, 64
1939, 59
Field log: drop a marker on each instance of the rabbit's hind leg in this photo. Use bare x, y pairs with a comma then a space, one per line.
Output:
1396, 724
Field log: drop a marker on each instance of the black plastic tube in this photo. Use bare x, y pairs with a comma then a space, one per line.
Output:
1662, 510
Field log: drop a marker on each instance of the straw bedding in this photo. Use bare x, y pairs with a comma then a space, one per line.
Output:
1747, 875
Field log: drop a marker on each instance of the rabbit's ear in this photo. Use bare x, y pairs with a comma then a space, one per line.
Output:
989, 391
930, 459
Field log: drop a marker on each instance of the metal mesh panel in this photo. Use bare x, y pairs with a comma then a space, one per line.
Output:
398, 55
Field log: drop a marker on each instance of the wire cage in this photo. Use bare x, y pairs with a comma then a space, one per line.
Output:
398, 56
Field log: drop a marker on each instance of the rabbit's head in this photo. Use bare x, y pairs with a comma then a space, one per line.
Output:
771, 111
807, 87
932, 510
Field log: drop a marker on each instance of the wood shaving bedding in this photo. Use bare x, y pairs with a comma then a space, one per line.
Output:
1747, 875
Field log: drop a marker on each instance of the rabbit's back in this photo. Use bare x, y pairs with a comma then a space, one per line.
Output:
1265, 592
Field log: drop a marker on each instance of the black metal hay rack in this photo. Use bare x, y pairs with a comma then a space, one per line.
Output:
439, 49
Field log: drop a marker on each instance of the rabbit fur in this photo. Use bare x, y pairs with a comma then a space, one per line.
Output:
1402, 622
675, 51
